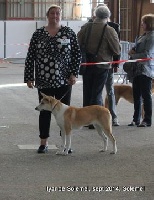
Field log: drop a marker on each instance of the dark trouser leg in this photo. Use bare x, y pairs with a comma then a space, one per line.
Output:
45, 116
110, 94
44, 124
60, 92
99, 80
137, 99
146, 87
87, 85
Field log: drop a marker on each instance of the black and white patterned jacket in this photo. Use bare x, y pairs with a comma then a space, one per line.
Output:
51, 60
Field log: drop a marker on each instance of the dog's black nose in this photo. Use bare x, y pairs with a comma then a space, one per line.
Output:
36, 108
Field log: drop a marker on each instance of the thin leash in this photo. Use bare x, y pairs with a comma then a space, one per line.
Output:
64, 95
60, 100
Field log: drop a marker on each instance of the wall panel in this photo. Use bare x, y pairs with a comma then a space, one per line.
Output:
1, 39
18, 34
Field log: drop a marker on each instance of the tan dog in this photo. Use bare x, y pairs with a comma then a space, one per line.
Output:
121, 91
125, 92
68, 118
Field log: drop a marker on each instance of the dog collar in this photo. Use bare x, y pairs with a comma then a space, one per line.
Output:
54, 106
60, 100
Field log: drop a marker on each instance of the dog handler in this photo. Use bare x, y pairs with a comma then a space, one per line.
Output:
54, 57
143, 72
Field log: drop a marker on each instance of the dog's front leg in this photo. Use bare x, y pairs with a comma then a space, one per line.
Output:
68, 143
61, 151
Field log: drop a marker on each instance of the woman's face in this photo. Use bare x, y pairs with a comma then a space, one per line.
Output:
144, 26
54, 15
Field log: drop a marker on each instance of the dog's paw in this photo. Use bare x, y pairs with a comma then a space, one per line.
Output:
113, 152
62, 153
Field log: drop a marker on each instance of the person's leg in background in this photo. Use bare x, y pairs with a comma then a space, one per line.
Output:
111, 97
137, 101
146, 87
88, 80
99, 80
93, 83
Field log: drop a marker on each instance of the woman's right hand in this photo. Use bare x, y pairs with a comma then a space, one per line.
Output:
30, 84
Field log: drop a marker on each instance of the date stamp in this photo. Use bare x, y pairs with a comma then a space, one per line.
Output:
98, 189
119, 189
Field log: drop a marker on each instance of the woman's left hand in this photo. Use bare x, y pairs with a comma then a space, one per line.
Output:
72, 80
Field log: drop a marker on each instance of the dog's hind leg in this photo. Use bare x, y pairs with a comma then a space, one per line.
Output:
107, 129
112, 139
114, 143
103, 136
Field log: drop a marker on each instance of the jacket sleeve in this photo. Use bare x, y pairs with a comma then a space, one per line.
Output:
82, 34
145, 49
113, 41
75, 55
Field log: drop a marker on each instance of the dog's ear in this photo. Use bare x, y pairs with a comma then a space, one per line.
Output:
43, 95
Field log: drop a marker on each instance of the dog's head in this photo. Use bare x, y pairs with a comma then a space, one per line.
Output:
47, 103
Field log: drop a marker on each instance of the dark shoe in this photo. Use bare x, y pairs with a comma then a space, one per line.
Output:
69, 151
134, 123
91, 126
144, 124
42, 149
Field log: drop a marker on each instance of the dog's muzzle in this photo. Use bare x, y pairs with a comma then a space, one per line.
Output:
37, 109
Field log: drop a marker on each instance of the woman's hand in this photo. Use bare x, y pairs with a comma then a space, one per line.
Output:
72, 80
30, 84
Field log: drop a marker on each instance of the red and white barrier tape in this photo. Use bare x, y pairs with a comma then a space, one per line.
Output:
96, 63
118, 61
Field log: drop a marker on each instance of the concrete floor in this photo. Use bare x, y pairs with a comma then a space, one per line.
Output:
86, 174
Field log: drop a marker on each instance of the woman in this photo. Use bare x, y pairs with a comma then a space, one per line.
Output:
144, 72
54, 55
95, 76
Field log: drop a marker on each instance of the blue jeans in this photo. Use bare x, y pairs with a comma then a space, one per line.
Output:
142, 86
94, 80
110, 94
